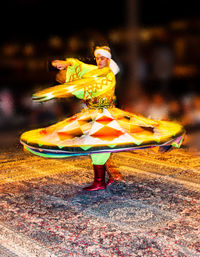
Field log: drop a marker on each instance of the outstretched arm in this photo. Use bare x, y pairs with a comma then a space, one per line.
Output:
63, 90
71, 69
70, 88
60, 64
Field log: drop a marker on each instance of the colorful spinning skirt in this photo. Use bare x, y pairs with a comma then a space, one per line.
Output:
101, 131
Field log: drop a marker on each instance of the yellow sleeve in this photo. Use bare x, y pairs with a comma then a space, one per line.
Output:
77, 69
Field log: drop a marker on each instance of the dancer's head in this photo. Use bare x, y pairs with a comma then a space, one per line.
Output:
103, 56
103, 59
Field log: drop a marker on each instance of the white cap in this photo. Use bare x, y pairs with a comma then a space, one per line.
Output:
105, 51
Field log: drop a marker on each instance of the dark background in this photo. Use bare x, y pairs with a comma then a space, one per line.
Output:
144, 36
36, 19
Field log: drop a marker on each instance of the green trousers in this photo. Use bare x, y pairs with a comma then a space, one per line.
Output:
100, 158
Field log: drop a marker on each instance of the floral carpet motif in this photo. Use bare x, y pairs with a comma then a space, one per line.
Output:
139, 216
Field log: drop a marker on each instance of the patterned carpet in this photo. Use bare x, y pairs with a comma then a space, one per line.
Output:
154, 211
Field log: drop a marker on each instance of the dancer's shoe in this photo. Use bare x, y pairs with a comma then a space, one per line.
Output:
99, 179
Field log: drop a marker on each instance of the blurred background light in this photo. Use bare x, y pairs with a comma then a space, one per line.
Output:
156, 43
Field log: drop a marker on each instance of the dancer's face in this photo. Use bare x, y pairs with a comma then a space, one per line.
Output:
102, 61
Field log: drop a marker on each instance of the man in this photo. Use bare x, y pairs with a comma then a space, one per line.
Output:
101, 128
103, 59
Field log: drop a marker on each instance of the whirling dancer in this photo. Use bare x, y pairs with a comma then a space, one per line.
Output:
100, 128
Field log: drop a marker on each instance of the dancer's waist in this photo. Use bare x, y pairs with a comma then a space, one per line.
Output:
100, 102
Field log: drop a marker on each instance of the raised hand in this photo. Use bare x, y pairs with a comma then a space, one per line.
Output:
60, 65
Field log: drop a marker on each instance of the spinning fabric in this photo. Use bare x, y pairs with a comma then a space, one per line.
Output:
100, 127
